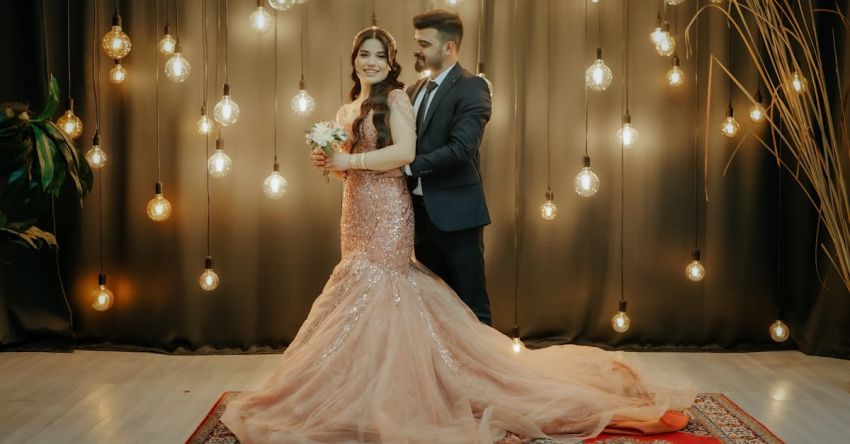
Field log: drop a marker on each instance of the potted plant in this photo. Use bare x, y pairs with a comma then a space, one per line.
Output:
36, 159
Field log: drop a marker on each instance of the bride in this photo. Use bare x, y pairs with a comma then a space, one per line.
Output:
390, 354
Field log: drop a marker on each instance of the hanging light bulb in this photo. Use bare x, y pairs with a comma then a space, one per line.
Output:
675, 76
586, 183
116, 44
548, 210
209, 279
798, 83
757, 112
95, 156
167, 43
675, 2
627, 135
117, 74
666, 46
658, 33
275, 185
730, 126
205, 125
695, 271
717, 2
425, 74
517, 345
219, 163
620, 321
102, 298
260, 19
303, 104
69, 122
453, 3
226, 111
159, 208
779, 332
281, 5
598, 76
177, 68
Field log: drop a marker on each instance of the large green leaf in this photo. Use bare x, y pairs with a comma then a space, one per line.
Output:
86, 176
58, 174
45, 156
52, 101
18, 174
77, 167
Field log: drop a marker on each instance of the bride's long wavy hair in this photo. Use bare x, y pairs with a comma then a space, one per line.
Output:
378, 100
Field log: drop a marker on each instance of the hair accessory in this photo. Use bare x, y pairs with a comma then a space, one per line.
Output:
393, 44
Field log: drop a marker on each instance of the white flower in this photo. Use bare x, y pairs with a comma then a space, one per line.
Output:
325, 134
322, 134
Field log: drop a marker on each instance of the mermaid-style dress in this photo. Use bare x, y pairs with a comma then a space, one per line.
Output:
390, 354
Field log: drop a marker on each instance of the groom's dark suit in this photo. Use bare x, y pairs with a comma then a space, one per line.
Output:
451, 212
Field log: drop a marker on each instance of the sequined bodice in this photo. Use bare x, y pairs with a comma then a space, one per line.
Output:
377, 216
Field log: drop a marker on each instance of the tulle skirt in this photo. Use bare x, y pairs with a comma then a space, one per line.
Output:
394, 356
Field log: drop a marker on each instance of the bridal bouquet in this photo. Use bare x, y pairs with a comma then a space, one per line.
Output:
325, 135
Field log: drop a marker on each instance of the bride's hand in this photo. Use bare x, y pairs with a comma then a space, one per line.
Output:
337, 162
317, 159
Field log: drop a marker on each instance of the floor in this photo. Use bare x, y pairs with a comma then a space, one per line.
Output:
118, 397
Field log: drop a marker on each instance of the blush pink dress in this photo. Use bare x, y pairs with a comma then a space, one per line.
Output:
390, 354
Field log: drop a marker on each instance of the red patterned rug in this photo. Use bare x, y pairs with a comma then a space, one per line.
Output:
714, 419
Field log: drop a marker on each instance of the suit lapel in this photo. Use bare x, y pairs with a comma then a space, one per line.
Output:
442, 91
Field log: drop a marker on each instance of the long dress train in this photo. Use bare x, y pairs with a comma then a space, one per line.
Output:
390, 354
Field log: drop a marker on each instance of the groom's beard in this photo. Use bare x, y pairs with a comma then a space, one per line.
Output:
420, 65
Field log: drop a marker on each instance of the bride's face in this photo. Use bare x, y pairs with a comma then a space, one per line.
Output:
371, 63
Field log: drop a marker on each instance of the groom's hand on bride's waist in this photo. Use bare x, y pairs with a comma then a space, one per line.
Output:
395, 172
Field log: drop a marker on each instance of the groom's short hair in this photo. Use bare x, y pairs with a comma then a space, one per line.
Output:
447, 23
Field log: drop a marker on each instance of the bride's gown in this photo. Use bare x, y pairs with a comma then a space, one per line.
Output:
390, 354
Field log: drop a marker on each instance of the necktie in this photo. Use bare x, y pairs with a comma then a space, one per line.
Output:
420, 114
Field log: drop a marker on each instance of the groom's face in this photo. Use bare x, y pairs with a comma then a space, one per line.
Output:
429, 50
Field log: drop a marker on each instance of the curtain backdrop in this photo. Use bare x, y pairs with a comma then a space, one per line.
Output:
558, 280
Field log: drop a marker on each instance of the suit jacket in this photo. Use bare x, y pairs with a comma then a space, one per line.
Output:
447, 144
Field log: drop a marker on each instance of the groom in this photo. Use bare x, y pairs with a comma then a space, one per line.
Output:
452, 106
